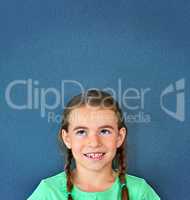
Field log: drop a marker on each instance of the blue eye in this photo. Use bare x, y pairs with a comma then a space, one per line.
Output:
105, 131
81, 132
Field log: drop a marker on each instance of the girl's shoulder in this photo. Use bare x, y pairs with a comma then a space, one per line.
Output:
140, 187
57, 181
48, 187
134, 180
58, 178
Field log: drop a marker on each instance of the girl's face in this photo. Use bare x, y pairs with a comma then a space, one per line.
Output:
93, 130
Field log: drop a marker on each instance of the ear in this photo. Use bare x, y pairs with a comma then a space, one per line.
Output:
66, 138
121, 136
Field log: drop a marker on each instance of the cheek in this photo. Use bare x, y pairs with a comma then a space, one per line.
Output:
111, 147
76, 151
77, 146
110, 144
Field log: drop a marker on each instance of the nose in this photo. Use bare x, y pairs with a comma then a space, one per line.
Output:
94, 140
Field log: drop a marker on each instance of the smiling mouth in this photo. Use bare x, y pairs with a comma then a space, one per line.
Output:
94, 156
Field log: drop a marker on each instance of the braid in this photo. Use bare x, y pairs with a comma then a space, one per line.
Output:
68, 173
122, 171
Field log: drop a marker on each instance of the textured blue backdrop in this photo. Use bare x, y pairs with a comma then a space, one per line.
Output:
134, 44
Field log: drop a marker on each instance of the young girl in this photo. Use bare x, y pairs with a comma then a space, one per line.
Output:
94, 133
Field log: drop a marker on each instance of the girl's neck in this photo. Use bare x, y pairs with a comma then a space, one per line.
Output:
93, 181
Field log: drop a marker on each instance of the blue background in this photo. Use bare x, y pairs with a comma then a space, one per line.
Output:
145, 44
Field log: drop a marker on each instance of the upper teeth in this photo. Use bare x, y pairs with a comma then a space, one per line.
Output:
94, 154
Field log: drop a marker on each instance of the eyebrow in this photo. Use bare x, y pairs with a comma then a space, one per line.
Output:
84, 127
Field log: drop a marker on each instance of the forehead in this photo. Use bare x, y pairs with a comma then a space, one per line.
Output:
92, 116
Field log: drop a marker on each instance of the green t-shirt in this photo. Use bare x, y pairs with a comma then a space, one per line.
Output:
54, 188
